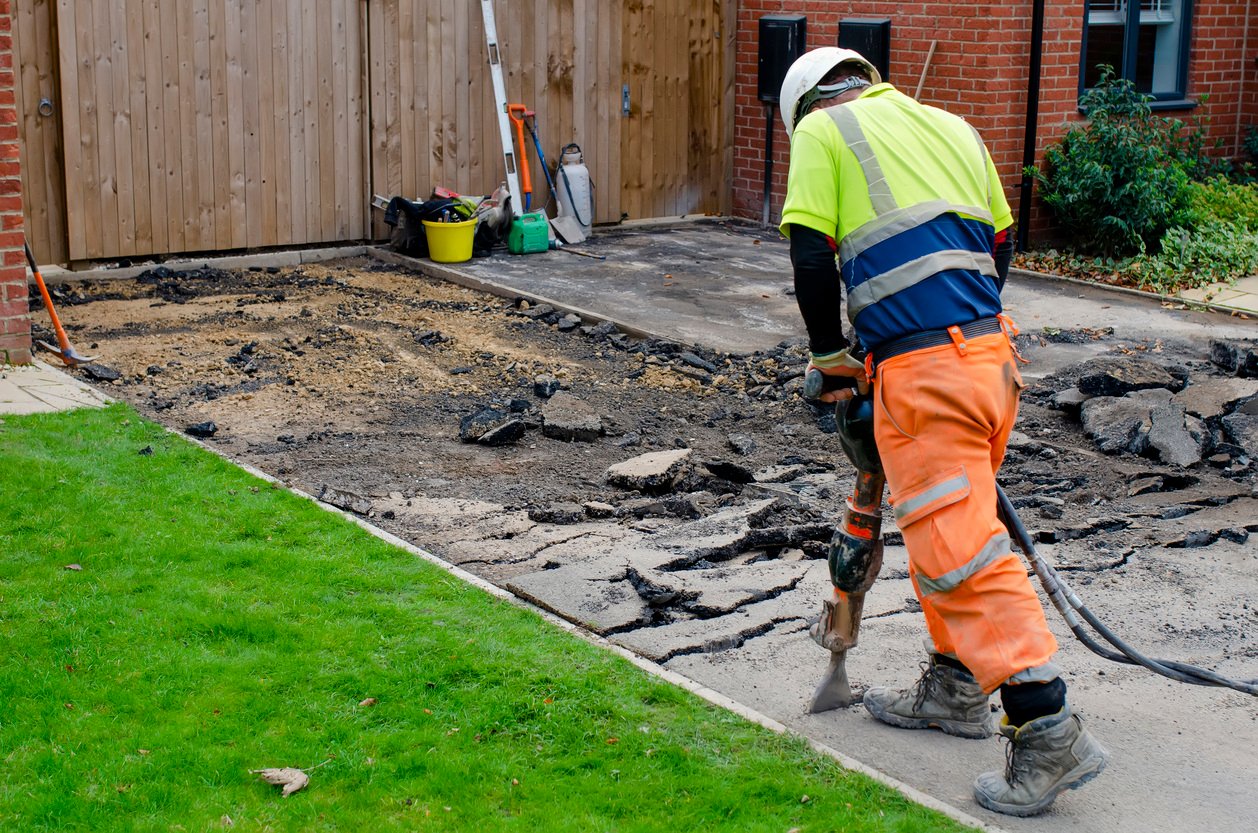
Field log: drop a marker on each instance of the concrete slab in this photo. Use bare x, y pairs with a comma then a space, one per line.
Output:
41, 389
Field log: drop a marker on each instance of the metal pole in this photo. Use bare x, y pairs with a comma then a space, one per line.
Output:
768, 162
1032, 115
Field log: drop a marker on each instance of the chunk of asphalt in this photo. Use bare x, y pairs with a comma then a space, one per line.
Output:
741, 443
729, 471
1178, 439
545, 386
101, 373
491, 427
1215, 396
1239, 358
342, 499
1242, 430
653, 473
202, 430
567, 418
1117, 424
1119, 375
558, 513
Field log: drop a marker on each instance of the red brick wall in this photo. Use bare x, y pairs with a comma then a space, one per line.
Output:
979, 71
15, 322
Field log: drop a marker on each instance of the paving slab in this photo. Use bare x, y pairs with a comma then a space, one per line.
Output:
40, 388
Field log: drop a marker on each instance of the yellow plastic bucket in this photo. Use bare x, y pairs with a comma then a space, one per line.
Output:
450, 242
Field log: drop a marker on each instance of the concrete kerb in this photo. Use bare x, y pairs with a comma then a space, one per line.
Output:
449, 273
291, 257
1126, 290
712, 696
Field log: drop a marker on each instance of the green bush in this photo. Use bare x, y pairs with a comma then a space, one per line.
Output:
1114, 183
1221, 200
1192, 258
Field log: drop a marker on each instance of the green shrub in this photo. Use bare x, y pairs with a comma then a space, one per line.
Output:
1221, 200
1251, 143
1192, 258
1113, 183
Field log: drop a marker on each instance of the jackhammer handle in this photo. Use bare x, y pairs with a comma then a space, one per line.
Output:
817, 383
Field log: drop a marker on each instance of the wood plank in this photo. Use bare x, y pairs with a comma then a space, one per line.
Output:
298, 118
235, 122
106, 158
71, 105
310, 114
136, 83
274, 122
279, 127
326, 158
463, 133
360, 132
196, 96
632, 170
448, 134
607, 165
428, 104
220, 137
150, 18
251, 124
341, 67
178, 32
409, 161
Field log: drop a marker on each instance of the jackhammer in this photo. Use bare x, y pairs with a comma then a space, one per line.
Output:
855, 555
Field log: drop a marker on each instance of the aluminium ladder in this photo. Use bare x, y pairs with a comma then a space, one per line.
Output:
500, 98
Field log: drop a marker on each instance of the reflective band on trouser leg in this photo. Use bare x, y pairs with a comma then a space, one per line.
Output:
941, 421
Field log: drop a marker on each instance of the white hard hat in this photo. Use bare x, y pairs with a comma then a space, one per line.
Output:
806, 73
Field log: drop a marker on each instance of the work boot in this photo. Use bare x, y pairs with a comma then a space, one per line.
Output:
945, 698
1044, 757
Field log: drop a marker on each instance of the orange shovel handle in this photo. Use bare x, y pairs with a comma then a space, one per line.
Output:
512, 109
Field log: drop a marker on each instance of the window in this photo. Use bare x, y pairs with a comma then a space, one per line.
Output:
1145, 41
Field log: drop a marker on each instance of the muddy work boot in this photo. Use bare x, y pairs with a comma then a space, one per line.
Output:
1045, 757
945, 698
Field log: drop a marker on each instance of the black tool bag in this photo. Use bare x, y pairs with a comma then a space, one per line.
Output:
406, 218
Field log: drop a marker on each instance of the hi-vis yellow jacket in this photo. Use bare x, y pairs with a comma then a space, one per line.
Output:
910, 194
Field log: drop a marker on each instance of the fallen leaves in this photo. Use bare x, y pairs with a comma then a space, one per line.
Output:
74, 567
290, 778
370, 701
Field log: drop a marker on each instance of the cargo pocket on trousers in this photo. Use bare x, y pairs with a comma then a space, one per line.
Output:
944, 489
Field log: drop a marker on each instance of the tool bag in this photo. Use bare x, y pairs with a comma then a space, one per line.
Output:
406, 217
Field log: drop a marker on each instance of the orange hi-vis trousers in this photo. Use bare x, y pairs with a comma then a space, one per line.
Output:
942, 418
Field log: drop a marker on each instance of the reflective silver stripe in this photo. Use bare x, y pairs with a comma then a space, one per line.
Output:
997, 546
1045, 673
903, 219
939, 490
854, 137
915, 271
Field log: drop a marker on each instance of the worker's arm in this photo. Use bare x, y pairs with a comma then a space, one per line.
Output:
1003, 255
818, 290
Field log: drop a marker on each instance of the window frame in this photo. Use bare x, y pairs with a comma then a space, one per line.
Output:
1166, 100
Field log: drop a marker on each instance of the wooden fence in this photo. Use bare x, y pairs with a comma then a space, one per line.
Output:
214, 125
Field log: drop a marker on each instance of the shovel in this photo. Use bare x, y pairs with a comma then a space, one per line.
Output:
64, 351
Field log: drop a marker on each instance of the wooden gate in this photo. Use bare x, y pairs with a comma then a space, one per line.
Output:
215, 125
433, 120
210, 124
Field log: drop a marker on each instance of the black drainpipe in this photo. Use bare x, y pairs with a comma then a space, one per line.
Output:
1032, 116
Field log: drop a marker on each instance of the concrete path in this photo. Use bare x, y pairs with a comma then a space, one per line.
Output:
40, 389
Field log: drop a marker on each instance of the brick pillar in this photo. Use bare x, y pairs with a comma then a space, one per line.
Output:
15, 321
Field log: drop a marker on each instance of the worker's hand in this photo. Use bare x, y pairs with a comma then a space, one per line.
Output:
831, 377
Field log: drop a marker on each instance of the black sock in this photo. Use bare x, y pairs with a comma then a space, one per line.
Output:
1027, 701
952, 662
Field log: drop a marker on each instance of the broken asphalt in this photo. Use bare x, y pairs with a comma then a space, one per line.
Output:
1183, 757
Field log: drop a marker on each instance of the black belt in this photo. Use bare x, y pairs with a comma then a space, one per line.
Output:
934, 338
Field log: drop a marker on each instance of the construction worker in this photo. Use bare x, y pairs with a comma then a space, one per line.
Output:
908, 198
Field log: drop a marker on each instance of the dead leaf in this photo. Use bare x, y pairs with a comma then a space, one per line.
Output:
142, 751
289, 778
370, 701
226, 822
613, 740
75, 567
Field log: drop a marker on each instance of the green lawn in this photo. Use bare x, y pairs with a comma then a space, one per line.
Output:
219, 624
